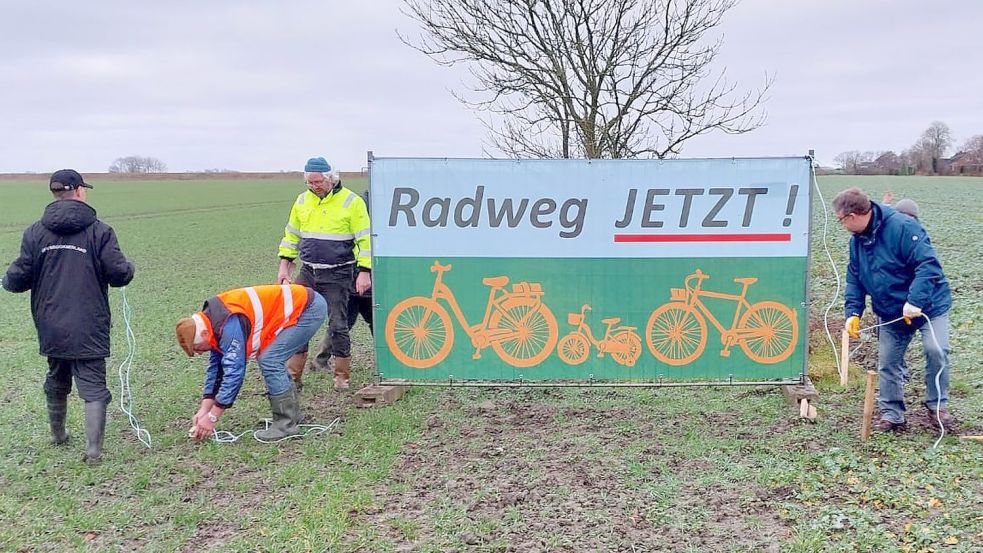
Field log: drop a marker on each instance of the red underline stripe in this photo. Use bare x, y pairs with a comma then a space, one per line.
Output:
762, 237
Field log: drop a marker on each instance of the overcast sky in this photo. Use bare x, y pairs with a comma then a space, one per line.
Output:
262, 86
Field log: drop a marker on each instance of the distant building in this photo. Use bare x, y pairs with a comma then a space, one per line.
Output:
963, 163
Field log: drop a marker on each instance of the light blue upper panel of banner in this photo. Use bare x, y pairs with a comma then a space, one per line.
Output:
591, 208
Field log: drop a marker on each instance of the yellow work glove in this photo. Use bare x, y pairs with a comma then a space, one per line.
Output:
910, 312
853, 326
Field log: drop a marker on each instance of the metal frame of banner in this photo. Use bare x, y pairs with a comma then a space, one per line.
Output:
590, 382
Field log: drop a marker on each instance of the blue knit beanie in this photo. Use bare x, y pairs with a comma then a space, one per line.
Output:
317, 165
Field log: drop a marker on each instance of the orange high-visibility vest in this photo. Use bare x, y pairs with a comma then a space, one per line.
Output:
269, 308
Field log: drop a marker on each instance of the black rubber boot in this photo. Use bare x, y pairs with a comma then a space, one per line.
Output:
286, 417
57, 411
95, 431
322, 359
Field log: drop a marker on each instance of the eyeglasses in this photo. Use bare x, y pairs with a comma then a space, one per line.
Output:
840, 218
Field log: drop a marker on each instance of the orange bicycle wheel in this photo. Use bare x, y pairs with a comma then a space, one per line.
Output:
419, 332
533, 331
632, 348
676, 333
573, 349
768, 332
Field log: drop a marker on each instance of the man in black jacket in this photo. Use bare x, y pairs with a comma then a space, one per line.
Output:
68, 260
361, 303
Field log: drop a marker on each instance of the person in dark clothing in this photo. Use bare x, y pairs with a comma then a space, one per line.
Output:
68, 260
360, 304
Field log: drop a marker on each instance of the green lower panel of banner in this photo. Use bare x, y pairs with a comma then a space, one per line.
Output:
679, 319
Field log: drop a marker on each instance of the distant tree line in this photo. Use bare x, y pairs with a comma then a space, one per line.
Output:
927, 156
137, 164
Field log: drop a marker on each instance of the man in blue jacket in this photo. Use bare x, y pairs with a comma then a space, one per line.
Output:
892, 261
68, 260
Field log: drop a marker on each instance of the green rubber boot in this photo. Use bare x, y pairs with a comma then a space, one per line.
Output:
286, 417
57, 412
95, 431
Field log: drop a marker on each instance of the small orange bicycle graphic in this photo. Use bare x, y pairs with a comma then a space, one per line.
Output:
623, 343
517, 325
676, 332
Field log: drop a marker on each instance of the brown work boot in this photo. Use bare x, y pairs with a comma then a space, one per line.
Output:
884, 425
295, 368
342, 372
948, 421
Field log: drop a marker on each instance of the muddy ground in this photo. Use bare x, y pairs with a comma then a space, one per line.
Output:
521, 472
518, 476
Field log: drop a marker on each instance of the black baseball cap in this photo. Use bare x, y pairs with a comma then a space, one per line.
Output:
67, 179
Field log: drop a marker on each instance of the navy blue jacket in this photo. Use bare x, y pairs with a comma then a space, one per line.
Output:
893, 262
68, 260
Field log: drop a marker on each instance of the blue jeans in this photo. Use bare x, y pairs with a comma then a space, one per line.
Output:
892, 342
273, 360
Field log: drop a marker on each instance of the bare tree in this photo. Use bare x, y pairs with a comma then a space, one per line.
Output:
974, 148
590, 78
935, 142
849, 162
137, 164
888, 163
918, 157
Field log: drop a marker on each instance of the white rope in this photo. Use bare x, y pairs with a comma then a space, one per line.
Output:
225, 437
836, 274
938, 374
125, 393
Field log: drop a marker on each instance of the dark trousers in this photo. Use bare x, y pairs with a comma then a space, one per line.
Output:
89, 374
360, 305
335, 286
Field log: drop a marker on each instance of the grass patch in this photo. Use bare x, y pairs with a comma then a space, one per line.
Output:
722, 469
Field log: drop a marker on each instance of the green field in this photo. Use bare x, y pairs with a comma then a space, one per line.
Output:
593, 469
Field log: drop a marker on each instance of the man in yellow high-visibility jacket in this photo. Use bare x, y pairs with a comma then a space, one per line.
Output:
328, 231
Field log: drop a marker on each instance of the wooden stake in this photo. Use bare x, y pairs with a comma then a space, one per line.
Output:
844, 356
868, 405
972, 438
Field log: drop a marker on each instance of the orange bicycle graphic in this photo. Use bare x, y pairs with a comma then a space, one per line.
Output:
623, 343
517, 325
676, 332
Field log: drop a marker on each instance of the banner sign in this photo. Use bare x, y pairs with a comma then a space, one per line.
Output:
621, 270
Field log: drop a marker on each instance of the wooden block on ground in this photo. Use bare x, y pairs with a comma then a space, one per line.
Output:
844, 357
868, 414
377, 395
796, 393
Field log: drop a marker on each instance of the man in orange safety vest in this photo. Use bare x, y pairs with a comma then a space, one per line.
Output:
270, 323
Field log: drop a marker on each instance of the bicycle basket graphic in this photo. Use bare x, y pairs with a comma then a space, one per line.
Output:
528, 289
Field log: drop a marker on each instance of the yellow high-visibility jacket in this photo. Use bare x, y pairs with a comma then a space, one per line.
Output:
328, 233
